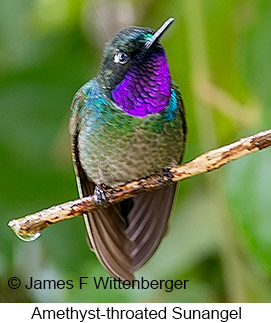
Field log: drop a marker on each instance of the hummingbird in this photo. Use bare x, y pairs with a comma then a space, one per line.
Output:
128, 123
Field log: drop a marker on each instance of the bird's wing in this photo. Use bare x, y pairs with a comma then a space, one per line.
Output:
148, 222
181, 109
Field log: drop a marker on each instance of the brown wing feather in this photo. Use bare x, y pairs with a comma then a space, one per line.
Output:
148, 221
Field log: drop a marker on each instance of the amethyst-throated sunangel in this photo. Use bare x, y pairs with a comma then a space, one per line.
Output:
127, 123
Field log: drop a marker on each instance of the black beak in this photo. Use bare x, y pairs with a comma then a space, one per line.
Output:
158, 33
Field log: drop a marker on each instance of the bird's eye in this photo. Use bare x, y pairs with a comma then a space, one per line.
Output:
121, 58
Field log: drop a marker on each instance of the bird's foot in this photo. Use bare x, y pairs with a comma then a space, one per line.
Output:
100, 194
166, 175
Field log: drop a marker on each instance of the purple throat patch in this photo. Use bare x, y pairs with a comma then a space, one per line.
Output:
146, 89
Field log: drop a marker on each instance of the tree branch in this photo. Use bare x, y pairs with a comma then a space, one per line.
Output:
30, 226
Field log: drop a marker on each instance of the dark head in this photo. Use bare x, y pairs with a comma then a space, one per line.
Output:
134, 71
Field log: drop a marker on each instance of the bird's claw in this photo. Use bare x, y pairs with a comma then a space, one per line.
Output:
100, 194
166, 175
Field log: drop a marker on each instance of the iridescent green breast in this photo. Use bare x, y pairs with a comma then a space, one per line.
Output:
115, 147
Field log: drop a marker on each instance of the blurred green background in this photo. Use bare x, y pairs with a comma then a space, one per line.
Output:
220, 55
